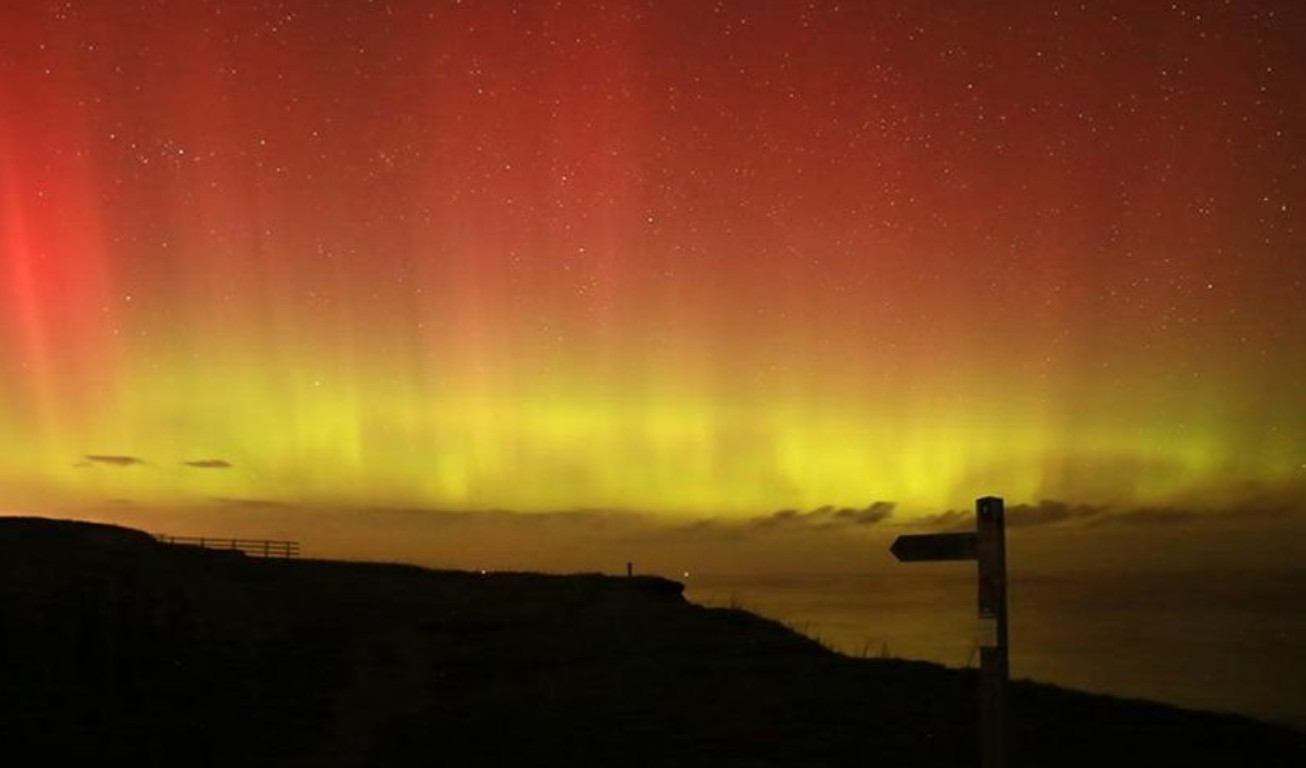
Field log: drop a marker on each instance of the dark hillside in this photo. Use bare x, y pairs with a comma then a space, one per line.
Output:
115, 647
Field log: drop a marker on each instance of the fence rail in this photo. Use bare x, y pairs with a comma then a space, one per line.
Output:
257, 547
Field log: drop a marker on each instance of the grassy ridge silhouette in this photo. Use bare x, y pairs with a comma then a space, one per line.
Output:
116, 647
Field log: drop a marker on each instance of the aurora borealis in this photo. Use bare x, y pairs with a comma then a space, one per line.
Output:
678, 257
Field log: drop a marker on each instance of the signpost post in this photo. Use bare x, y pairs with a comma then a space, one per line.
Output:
987, 545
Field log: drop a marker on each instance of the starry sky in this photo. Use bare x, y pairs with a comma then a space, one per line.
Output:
677, 257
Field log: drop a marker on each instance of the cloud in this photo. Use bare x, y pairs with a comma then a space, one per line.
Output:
208, 464
110, 460
1268, 511
952, 520
1050, 512
825, 518
1152, 516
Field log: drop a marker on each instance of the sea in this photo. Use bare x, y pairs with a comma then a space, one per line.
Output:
1228, 641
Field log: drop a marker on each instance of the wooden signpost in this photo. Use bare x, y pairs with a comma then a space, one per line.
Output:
987, 545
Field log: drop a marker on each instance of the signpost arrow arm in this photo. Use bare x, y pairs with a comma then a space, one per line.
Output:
934, 546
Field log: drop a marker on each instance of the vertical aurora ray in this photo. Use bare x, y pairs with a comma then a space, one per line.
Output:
55, 294
678, 258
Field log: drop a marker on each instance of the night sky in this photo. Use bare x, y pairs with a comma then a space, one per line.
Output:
676, 257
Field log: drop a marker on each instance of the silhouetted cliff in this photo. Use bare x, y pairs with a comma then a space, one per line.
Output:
116, 647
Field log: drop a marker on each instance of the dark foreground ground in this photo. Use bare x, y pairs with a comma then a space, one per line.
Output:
116, 648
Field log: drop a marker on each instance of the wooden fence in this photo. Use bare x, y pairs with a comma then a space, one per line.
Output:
257, 547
